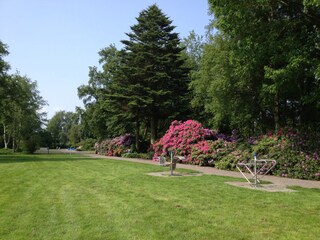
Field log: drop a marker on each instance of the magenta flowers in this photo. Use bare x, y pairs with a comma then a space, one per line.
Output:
181, 137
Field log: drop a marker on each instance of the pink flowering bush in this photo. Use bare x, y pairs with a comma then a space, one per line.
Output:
181, 138
201, 153
207, 152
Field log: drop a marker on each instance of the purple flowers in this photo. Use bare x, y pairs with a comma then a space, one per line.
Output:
115, 146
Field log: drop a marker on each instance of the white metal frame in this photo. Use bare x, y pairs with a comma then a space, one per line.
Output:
258, 166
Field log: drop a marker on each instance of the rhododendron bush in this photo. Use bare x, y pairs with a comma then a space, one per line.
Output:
208, 152
115, 146
296, 154
191, 140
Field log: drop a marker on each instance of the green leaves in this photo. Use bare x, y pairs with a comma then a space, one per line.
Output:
143, 83
21, 115
261, 69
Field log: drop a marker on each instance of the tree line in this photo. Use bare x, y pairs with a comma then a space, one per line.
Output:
256, 70
20, 104
261, 69
24, 124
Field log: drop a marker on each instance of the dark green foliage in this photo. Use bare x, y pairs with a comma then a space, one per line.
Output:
31, 144
293, 160
20, 105
261, 69
20, 115
142, 86
5, 151
193, 53
229, 161
4, 67
45, 138
87, 144
137, 155
294, 164
101, 120
64, 129
156, 77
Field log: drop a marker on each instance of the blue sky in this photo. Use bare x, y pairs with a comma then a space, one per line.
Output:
54, 42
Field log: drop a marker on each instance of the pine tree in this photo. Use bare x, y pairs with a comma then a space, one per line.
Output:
141, 86
153, 74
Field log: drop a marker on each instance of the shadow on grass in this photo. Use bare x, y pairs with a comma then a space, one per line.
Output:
22, 158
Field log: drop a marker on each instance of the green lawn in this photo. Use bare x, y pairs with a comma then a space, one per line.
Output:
71, 197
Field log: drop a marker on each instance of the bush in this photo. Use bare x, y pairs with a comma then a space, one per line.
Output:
30, 144
296, 154
115, 146
295, 164
137, 155
87, 144
180, 138
4, 151
230, 160
293, 157
208, 153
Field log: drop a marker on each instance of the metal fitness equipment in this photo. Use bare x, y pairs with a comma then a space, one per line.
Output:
173, 162
258, 168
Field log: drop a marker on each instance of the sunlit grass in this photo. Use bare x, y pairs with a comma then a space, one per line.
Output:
72, 197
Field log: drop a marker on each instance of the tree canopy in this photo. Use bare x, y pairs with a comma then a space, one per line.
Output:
20, 105
260, 71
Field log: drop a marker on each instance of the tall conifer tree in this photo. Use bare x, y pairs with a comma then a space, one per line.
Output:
145, 84
154, 75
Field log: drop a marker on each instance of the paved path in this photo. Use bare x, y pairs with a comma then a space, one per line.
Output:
213, 171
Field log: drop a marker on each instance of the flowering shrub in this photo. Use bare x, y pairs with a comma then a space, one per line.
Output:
295, 158
181, 137
294, 164
207, 153
296, 154
115, 146
201, 153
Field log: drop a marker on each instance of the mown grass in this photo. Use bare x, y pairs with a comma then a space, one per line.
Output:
72, 197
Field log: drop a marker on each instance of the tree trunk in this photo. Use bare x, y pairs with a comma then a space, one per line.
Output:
276, 112
153, 128
145, 132
18, 137
308, 115
13, 144
137, 136
5, 140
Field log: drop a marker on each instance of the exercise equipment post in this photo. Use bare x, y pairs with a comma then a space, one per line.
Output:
258, 168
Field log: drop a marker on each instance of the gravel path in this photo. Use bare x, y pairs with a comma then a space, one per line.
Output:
284, 182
